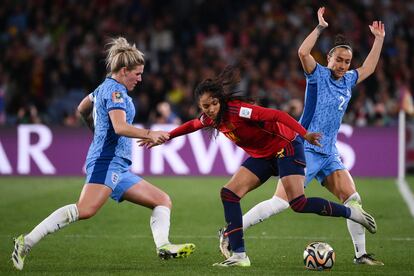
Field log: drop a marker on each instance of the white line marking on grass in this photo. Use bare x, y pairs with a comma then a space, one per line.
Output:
407, 195
214, 237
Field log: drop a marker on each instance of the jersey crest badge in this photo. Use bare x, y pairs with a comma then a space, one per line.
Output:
280, 153
117, 97
245, 112
115, 178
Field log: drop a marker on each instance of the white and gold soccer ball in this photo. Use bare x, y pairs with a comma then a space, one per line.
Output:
319, 256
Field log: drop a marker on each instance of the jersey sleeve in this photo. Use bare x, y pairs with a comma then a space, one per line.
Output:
90, 96
351, 78
116, 98
262, 114
187, 127
312, 77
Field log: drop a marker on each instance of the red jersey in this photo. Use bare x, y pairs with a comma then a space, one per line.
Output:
261, 132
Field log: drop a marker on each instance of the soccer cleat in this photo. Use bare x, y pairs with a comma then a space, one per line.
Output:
224, 244
360, 216
19, 253
367, 259
170, 251
234, 260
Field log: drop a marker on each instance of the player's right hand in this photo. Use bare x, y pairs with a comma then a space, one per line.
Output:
377, 28
321, 20
313, 138
159, 137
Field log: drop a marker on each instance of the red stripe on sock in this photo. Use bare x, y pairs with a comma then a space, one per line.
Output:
230, 199
232, 231
302, 205
330, 208
298, 205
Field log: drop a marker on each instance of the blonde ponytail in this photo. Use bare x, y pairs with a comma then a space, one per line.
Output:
122, 54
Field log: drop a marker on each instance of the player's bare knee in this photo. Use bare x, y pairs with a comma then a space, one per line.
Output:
165, 200
86, 212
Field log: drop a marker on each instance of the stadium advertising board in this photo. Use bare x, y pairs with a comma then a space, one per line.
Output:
42, 150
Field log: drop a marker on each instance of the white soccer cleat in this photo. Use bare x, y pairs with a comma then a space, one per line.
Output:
360, 216
170, 251
235, 260
19, 253
367, 259
224, 244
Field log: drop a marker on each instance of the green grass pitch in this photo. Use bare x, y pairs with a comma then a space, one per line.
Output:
117, 241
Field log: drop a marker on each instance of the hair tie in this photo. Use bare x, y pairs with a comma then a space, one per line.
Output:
340, 46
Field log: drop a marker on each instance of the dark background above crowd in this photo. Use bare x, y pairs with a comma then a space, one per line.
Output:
53, 54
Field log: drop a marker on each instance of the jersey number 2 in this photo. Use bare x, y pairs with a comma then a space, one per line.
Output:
341, 105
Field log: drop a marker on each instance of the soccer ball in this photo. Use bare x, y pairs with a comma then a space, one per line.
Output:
318, 256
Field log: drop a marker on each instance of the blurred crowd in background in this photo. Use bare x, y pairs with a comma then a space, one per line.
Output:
53, 54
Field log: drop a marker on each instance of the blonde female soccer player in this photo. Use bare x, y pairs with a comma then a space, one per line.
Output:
109, 112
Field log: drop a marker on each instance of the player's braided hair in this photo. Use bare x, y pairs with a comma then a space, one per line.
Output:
224, 88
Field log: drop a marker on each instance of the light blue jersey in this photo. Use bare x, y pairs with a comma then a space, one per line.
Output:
109, 156
106, 143
326, 100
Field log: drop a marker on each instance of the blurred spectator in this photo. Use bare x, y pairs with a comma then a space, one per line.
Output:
51, 55
295, 108
164, 115
28, 114
40, 41
2, 105
405, 97
3, 89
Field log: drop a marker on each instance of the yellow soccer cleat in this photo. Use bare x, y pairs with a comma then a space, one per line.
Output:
19, 253
170, 251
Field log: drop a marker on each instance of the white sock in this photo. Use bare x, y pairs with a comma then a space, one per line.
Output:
240, 255
160, 225
264, 210
356, 230
55, 221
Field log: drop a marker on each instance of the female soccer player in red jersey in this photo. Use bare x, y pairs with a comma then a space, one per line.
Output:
270, 138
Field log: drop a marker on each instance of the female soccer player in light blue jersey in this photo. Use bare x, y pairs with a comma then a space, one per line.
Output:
328, 92
109, 112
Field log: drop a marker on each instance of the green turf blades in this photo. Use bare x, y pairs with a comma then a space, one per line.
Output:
118, 239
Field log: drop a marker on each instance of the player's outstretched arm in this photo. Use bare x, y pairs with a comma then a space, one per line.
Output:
122, 128
304, 52
186, 128
368, 67
85, 110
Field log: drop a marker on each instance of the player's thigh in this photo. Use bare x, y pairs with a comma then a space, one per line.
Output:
341, 184
146, 194
242, 182
292, 169
91, 199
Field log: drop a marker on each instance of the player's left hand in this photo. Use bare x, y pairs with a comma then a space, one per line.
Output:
313, 138
377, 28
147, 143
